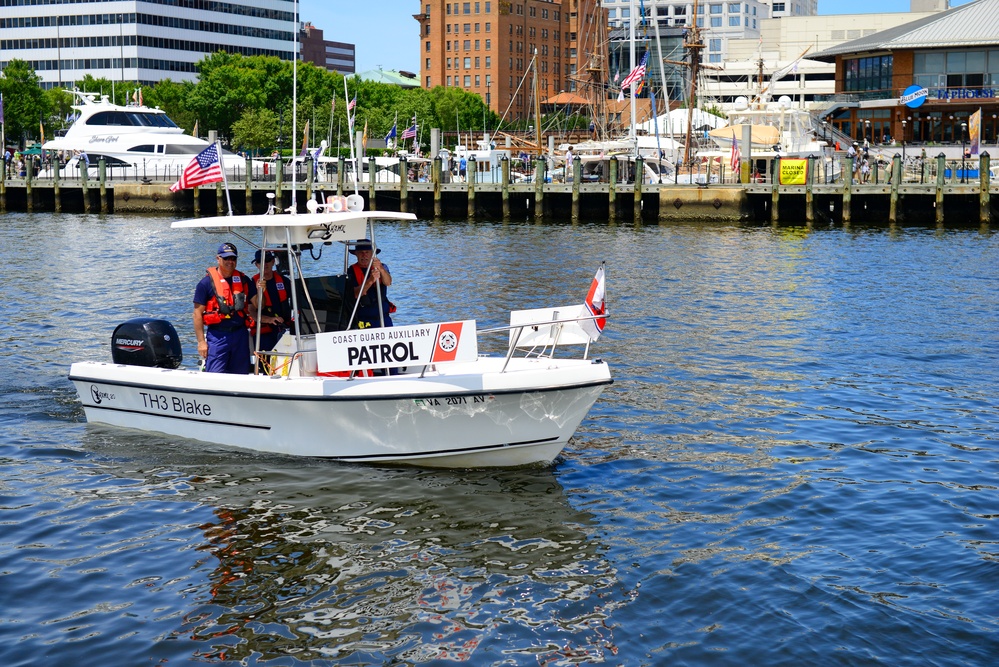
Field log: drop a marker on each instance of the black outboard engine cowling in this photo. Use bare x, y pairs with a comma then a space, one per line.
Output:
146, 342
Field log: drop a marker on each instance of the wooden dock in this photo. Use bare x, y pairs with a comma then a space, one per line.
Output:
937, 197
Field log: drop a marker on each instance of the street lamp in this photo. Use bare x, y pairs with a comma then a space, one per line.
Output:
904, 122
964, 152
867, 131
825, 127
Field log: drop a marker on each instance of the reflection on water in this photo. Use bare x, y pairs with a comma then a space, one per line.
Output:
324, 561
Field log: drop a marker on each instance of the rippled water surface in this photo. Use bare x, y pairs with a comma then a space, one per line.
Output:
797, 465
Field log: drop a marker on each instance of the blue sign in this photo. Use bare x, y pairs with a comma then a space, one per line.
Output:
914, 96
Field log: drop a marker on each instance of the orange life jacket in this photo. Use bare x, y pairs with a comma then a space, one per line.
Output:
282, 298
227, 301
359, 277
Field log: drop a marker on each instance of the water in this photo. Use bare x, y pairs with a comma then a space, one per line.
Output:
796, 465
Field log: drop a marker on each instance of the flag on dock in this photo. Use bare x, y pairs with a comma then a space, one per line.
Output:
736, 156
595, 305
975, 131
638, 73
409, 132
205, 168
391, 134
305, 140
352, 103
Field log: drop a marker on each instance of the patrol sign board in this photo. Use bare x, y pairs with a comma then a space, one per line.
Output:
392, 347
793, 171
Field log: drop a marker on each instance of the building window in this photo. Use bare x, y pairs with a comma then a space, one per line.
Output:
428, 47
468, 63
467, 81
467, 7
733, 21
716, 21
716, 9
489, 43
489, 62
488, 26
488, 9
478, 81
778, 7
449, 81
476, 45
734, 7
714, 45
468, 28
428, 82
477, 27
476, 62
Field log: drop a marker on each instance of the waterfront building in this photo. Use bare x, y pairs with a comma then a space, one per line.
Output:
332, 56
152, 40
921, 81
486, 47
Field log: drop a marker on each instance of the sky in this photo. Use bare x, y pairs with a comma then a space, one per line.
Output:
386, 35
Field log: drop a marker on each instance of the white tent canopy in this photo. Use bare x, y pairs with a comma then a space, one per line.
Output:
677, 121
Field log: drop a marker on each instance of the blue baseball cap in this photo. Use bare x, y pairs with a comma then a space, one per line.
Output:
256, 257
227, 250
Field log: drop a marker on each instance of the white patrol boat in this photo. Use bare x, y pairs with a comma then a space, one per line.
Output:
417, 394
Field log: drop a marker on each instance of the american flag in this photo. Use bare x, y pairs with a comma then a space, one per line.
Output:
736, 156
409, 132
205, 168
636, 74
352, 103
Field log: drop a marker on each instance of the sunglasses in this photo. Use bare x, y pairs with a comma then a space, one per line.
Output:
228, 259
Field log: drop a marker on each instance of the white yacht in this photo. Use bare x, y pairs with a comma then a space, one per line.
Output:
133, 137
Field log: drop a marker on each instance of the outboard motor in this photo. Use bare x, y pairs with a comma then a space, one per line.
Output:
146, 342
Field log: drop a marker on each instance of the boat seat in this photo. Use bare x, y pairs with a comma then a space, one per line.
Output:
328, 296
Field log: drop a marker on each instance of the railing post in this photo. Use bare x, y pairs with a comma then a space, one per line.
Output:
984, 199
403, 184
939, 201
612, 191
471, 172
505, 187
639, 178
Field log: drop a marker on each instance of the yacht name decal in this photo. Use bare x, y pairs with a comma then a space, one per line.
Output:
108, 139
186, 406
100, 396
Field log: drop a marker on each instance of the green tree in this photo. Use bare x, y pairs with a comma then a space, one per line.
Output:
171, 97
24, 104
229, 84
255, 130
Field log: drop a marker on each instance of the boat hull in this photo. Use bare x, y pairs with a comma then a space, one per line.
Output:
458, 419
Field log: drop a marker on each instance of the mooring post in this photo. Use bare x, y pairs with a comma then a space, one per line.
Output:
340, 163
56, 190
436, 177
102, 175
310, 162
809, 199
372, 172
639, 177
894, 178
577, 171
847, 190
278, 178
403, 184
249, 185
83, 185
775, 192
29, 169
984, 200
470, 171
539, 189
219, 196
612, 191
505, 187
939, 202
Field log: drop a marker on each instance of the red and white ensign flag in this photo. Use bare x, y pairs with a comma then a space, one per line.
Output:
595, 305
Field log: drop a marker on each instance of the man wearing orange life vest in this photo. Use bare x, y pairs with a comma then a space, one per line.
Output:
276, 316
367, 290
224, 302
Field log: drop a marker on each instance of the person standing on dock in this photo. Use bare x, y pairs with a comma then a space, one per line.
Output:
223, 301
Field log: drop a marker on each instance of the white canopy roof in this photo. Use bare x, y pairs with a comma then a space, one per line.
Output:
677, 120
303, 227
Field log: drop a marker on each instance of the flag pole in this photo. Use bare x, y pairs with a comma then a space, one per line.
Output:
225, 180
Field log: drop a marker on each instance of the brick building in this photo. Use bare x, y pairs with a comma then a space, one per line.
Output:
486, 47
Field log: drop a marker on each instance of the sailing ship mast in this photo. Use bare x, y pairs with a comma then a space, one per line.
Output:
693, 46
